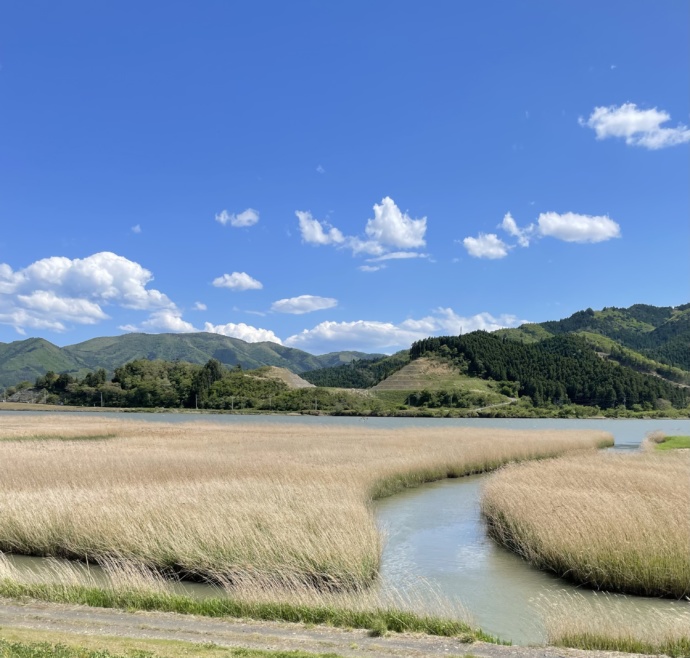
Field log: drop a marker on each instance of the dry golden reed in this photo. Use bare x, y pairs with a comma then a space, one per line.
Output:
610, 521
231, 503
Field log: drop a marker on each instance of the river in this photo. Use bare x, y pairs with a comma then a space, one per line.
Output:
436, 545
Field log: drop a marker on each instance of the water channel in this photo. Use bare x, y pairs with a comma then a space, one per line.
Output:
436, 544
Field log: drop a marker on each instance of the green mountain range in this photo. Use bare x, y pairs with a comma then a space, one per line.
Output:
27, 359
642, 339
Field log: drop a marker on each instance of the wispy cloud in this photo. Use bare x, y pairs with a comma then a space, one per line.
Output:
136, 228
303, 304
247, 217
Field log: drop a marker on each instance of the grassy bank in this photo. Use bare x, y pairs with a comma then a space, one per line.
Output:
611, 522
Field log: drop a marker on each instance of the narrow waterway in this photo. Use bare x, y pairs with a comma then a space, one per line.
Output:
437, 547
437, 551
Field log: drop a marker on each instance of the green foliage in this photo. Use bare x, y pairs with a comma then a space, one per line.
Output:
358, 373
674, 443
561, 370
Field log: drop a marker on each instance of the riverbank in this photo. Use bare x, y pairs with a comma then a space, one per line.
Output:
497, 411
168, 635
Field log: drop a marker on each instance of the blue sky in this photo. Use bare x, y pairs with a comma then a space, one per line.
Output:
338, 175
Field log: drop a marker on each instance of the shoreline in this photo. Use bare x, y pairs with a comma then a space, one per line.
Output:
50, 408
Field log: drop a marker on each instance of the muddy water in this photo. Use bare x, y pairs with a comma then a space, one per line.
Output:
437, 549
436, 540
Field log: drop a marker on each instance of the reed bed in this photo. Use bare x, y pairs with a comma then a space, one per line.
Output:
601, 624
608, 521
227, 503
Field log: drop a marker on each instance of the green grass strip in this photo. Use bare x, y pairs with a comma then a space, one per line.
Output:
377, 621
675, 648
50, 437
48, 650
674, 443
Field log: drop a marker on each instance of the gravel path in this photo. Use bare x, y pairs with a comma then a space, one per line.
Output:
253, 634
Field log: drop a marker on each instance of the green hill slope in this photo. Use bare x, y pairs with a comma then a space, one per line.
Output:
28, 359
656, 333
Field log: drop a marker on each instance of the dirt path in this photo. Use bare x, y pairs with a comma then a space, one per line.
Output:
84, 620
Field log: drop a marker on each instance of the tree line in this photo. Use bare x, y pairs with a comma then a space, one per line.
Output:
177, 384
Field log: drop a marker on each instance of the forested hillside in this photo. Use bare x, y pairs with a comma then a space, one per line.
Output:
359, 373
558, 370
659, 333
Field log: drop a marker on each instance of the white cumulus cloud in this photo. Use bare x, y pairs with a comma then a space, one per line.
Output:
303, 304
391, 227
315, 232
199, 306
371, 268
243, 332
237, 281
571, 227
486, 245
247, 217
53, 293
637, 127
371, 335
385, 236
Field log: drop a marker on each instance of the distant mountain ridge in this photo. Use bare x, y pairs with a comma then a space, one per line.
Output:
27, 359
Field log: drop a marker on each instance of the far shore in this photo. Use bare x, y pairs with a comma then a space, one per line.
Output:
27, 406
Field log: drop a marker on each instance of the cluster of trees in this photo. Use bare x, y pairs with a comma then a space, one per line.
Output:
451, 399
559, 370
359, 373
177, 384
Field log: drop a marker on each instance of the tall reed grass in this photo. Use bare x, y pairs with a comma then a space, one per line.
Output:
602, 624
608, 521
230, 502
